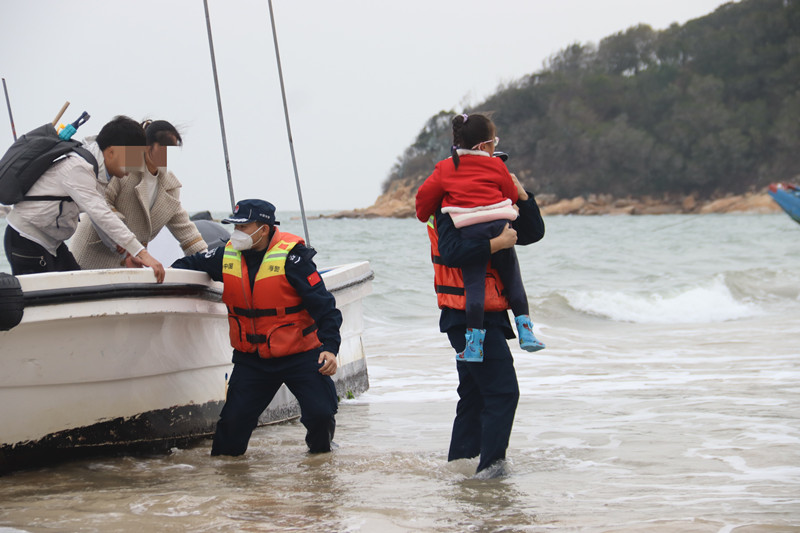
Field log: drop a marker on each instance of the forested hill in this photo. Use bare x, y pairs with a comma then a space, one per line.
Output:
707, 108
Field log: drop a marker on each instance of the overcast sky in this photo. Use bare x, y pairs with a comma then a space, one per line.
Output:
362, 77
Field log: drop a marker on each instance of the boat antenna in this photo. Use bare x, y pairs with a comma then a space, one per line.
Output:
10, 116
219, 107
288, 126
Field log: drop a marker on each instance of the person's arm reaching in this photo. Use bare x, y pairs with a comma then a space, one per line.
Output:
209, 262
82, 189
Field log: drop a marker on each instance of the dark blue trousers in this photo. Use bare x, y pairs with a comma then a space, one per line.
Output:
505, 262
253, 384
488, 394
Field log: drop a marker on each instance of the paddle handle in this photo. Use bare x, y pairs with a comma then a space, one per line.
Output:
60, 113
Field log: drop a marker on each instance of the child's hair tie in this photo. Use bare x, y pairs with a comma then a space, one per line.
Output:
465, 117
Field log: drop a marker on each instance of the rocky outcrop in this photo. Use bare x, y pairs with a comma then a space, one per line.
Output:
398, 202
759, 202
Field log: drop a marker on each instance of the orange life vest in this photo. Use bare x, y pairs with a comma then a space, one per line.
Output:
448, 282
283, 328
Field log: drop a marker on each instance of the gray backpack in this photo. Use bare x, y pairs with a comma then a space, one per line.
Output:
29, 157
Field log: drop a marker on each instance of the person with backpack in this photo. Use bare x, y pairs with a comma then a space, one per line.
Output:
48, 214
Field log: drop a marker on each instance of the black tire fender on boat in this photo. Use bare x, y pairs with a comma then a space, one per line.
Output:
12, 303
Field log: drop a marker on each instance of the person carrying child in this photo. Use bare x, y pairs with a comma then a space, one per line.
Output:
479, 193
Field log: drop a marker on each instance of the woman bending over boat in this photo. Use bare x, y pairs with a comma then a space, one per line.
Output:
147, 200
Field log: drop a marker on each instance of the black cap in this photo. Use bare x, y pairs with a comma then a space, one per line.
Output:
252, 211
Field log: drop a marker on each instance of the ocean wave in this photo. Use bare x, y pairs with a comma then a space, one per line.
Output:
765, 284
711, 302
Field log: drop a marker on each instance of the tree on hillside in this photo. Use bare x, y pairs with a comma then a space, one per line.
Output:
431, 145
702, 108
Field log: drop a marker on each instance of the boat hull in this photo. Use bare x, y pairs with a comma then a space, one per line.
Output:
108, 361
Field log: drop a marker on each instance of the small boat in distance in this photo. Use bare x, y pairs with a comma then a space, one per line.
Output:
787, 196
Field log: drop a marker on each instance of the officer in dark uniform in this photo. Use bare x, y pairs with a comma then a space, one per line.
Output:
284, 327
488, 392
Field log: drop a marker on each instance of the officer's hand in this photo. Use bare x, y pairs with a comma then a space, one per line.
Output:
521, 192
506, 239
328, 362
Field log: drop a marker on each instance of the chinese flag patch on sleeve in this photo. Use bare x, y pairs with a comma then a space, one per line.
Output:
314, 278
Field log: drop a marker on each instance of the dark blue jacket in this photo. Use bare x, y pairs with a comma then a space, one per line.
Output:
457, 252
320, 303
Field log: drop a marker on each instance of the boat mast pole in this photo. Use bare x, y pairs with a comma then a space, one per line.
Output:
288, 125
10, 116
219, 107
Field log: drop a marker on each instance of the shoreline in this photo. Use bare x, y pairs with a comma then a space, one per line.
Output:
398, 202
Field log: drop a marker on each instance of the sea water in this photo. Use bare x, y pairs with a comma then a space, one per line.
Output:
667, 400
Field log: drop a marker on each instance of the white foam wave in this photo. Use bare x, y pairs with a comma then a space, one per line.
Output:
711, 303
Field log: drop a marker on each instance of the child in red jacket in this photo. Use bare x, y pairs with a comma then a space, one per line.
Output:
478, 192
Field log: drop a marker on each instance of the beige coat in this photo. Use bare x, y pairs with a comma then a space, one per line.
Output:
126, 200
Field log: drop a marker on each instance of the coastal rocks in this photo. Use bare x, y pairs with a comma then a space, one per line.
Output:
751, 203
398, 202
566, 207
759, 202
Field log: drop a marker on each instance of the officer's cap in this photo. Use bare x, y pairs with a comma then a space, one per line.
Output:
252, 211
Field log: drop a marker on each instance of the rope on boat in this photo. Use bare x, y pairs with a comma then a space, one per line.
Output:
357, 281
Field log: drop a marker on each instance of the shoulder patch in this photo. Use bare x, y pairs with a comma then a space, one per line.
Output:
294, 258
314, 278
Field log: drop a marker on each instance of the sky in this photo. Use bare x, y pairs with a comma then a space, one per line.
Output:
361, 76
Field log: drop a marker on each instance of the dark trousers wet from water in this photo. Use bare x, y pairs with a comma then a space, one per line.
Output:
505, 262
28, 257
252, 387
488, 394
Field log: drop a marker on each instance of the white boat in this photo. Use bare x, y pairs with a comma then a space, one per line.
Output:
109, 360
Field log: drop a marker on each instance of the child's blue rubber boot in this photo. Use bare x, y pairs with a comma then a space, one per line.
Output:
527, 340
473, 353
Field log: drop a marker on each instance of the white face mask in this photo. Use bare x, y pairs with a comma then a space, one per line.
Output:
242, 241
